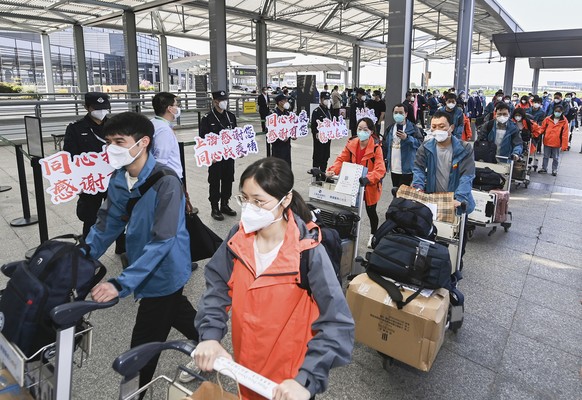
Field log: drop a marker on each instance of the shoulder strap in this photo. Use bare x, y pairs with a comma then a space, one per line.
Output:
304, 270
393, 290
150, 181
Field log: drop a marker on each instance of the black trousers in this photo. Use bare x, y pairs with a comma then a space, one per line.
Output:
373, 216
321, 153
155, 317
400, 179
335, 112
282, 150
87, 207
220, 179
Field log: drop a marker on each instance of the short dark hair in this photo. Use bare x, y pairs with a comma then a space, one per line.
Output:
558, 94
559, 106
130, 123
519, 111
443, 114
501, 106
451, 96
400, 105
162, 101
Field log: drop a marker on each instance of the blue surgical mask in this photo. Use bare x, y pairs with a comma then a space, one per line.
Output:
557, 114
363, 135
398, 118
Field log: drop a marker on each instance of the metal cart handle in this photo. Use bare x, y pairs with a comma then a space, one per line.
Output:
132, 361
67, 315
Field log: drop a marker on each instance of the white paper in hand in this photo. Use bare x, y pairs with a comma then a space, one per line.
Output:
434, 209
245, 377
349, 179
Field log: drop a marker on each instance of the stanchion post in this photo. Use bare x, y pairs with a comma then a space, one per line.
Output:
183, 162
39, 194
27, 219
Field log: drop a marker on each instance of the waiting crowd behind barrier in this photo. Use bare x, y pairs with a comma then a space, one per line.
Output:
296, 340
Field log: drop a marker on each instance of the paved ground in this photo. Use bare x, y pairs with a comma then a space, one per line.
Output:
523, 323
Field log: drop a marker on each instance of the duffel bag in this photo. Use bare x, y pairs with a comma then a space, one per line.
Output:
412, 260
58, 272
486, 179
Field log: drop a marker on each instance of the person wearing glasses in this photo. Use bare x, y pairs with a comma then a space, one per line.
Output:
279, 330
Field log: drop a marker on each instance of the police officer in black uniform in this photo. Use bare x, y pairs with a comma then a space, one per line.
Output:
359, 102
321, 151
220, 173
282, 148
83, 136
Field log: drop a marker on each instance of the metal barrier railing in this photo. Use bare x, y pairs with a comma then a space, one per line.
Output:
58, 109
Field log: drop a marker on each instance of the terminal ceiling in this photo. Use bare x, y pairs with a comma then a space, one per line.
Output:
315, 27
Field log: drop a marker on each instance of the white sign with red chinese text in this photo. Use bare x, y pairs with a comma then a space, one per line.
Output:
331, 129
366, 113
228, 144
283, 127
84, 173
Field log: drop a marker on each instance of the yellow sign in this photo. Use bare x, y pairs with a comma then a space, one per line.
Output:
249, 107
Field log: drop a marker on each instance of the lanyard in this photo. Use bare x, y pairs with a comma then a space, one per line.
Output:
227, 117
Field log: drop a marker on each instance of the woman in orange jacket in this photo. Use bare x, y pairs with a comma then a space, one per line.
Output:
555, 129
279, 330
365, 151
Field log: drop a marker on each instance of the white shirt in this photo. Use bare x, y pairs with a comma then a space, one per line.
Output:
499, 134
131, 181
264, 260
396, 159
165, 149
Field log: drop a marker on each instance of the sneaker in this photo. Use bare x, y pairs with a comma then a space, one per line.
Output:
185, 377
554, 173
542, 171
370, 241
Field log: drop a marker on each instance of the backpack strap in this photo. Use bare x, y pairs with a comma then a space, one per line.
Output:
304, 270
393, 290
150, 181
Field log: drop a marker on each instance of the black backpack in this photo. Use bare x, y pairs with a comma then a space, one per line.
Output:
332, 244
486, 179
57, 273
409, 217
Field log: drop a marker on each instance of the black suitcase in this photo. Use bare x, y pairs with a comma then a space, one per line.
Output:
344, 222
485, 151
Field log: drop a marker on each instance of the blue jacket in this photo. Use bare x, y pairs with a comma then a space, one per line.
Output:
433, 105
407, 147
511, 143
537, 115
462, 170
458, 121
565, 106
157, 242
474, 107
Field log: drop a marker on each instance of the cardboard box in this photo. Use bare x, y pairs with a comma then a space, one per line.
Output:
9, 389
413, 335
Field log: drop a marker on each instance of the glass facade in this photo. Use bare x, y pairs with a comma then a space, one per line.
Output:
21, 59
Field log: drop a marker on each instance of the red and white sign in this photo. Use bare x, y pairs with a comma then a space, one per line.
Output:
228, 144
366, 113
284, 127
331, 129
85, 173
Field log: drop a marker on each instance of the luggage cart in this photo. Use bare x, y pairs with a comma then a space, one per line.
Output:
131, 362
327, 204
451, 235
48, 373
520, 174
505, 168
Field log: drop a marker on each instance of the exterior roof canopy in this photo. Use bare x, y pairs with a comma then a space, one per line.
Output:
563, 43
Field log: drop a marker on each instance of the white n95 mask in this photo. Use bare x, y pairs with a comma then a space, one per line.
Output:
223, 104
440, 136
120, 156
255, 218
99, 114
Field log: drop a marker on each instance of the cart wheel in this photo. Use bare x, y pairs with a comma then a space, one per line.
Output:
455, 326
535, 167
492, 231
526, 184
387, 362
470, 233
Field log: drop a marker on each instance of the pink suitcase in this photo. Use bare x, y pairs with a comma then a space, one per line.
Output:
502, 206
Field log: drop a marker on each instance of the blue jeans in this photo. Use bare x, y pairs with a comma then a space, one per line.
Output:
554, 154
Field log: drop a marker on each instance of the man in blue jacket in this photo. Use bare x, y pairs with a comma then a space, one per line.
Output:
503, 132
400, 144
456, 114
158, 246
446, 164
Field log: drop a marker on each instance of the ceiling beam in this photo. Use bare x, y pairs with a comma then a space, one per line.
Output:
330, 15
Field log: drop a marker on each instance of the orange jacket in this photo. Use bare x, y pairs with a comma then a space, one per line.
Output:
278, 330
555, 135
467, 131
373, 159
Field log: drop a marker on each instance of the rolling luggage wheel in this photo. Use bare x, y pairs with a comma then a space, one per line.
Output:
526, 183
492, 231
535, 167
470, 231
